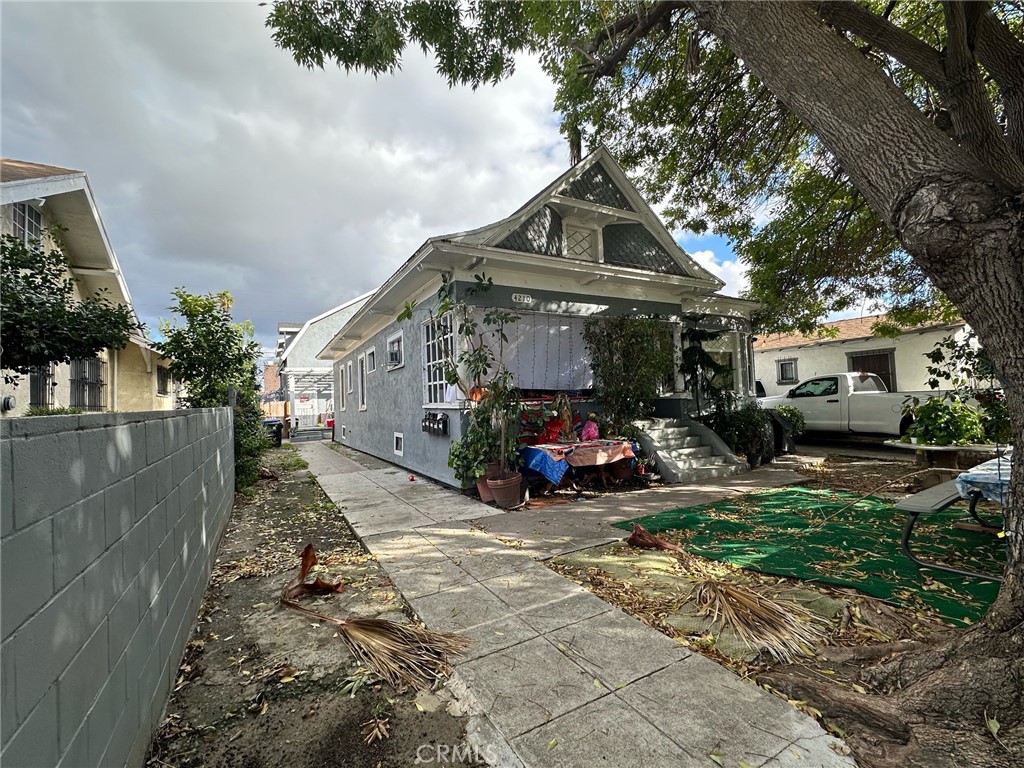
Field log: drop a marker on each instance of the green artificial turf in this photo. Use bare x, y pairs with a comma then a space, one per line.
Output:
806, 534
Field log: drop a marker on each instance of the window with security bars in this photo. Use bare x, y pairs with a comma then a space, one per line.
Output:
28, 222
40, 387
163, 381
87, 384
438, 342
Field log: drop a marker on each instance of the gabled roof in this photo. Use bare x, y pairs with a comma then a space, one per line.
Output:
22, 170
854, 329
596, 190
581, 194
66, 195
358, 300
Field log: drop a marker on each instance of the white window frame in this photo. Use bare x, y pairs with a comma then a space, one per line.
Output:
371, 360
31, 228
433, 360
778, 370
399, 444
341, 387
400, 338
349, 383
361, 382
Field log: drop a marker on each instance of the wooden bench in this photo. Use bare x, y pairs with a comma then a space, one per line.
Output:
935, 499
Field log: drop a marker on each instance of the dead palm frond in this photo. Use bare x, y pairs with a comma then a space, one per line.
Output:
404, 656
781, 627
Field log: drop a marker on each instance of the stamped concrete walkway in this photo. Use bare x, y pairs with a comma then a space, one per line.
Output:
556, 676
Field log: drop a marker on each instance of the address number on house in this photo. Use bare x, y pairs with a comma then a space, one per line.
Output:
522, 298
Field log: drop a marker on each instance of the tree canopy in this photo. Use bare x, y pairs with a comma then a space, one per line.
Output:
707, 136
42, 322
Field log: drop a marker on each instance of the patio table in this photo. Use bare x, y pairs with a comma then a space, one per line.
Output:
552, 460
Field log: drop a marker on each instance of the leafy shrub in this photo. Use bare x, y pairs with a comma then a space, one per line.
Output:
946, 422
746, 430
793, 415
42, 410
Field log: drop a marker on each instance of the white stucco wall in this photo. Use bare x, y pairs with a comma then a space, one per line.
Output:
830, 357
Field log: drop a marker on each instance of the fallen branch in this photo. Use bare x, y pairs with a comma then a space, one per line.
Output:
404, 656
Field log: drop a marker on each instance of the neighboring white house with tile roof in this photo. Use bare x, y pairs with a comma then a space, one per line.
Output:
783, 360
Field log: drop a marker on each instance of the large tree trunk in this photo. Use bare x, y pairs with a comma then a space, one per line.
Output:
963, 223
960, 223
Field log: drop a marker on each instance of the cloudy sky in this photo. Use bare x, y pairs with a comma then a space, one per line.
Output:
217, 163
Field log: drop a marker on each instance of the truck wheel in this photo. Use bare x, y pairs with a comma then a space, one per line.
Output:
905, 424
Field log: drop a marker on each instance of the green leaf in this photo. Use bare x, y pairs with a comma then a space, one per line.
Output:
552, 744
717, 757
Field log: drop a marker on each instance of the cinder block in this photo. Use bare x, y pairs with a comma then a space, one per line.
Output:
79, 537
36, 427
156, 520
173, 507
155, 448
34, 743
135, 459
110, 705
125, 732
168, 554
104, 582
149, 582
146, 481
164, 477
182, 465
122, 622
26, 571
6, 488
135, 548
9, 721
119, 503
80, 684
48, 474
46, 643
77, 752
101, 461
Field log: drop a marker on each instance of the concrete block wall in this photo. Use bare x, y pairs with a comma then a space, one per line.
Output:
109, 525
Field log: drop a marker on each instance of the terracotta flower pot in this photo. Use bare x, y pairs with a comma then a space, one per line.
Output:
481, 484
505, 489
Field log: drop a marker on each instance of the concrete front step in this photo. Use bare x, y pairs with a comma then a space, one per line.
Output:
700, 474
671, 441
698, 461
687, 453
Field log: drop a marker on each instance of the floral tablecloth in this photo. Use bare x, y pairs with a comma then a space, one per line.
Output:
991, 477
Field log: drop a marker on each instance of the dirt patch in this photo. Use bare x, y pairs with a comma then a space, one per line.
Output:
261, 686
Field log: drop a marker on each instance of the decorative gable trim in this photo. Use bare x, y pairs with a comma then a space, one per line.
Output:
541, 233
595, 186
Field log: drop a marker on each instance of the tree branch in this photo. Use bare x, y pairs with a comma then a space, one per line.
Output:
887, 37
633, 27
974, 122
1002, 54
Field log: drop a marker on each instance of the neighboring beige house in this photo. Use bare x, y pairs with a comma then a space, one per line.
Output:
782, 361
34, 197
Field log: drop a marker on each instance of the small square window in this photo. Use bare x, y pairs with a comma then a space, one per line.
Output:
396, 352
786, 371
399, 444
371, 360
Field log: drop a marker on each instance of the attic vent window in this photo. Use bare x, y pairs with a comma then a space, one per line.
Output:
580, 243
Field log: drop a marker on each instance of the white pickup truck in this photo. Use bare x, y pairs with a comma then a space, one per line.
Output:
846, 402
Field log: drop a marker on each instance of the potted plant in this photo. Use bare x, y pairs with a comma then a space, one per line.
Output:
506, 409
945, 422
473, 364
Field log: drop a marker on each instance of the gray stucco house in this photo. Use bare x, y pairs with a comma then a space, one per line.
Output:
306, 381
587, 244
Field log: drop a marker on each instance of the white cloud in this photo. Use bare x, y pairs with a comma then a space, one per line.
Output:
731, 271
219, 164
